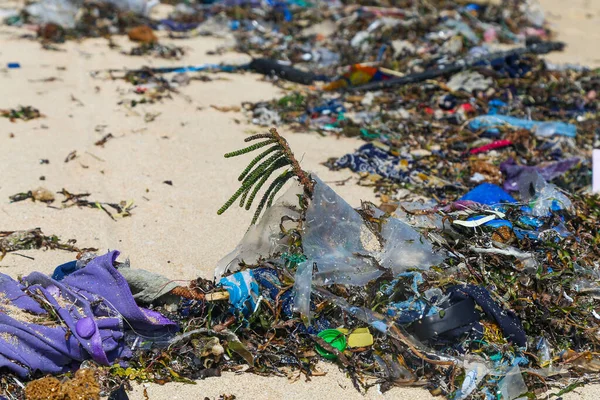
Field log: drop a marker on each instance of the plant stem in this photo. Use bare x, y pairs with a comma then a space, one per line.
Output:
299, 172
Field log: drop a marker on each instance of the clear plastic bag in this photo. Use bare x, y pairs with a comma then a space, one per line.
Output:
264, 238
346, 251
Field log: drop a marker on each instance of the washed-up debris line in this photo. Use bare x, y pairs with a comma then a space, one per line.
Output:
489, 295
446, 103
430, 140
121, 209
11, 241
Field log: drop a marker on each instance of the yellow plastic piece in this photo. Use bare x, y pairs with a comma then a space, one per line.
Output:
360, 337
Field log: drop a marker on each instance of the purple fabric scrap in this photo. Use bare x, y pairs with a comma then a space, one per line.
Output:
512, 171
50, 327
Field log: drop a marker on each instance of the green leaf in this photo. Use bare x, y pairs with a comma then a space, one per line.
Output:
270, 193
255, 161
249, 148
278, 164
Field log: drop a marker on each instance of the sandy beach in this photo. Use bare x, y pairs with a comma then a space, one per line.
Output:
174, 229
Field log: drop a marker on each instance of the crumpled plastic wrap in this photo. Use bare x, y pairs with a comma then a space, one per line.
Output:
476, 369
406, 248
334, 237
512, 386
140, 7
345, 251
64, 12
469, 81
59, 12
149, 287
542, 196
242, 289
264, 238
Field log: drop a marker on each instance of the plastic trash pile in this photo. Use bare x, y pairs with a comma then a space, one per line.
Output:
487, 292
478, 274
491, 292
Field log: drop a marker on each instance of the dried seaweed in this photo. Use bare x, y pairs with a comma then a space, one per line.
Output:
123, 208
24, 113
11, 241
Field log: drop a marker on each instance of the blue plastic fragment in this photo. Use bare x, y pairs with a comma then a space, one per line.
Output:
556, 205
472, 7
495, 223
380, 326
64, 269
381, 52
522, 233
488, 194
499, 223
408, 311
204, 67
13, 65
493, 121
176, 26
531, 221
331, 106
496, 106
242, 289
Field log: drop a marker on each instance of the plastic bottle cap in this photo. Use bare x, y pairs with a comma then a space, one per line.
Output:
335, 338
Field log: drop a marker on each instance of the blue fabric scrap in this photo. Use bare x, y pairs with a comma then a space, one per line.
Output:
373, 160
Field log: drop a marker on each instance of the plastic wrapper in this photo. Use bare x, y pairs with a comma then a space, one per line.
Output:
548, 171
149, 287
140, 7
242, 289
59, 12
264, 238
265, 117
542, 196
476, 370
512, 386
406, 248
469, 81
302, 290
420, 221
335, 237
64, 12
347, 252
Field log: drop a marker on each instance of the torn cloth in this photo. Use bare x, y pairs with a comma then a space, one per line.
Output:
88, 315
512, 171
373, 160
508, 321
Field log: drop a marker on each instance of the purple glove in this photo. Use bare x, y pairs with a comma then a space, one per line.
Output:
94, 306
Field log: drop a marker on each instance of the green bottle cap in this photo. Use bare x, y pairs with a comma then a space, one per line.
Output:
335, 338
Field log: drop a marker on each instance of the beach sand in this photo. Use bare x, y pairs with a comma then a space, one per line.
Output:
174, 229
